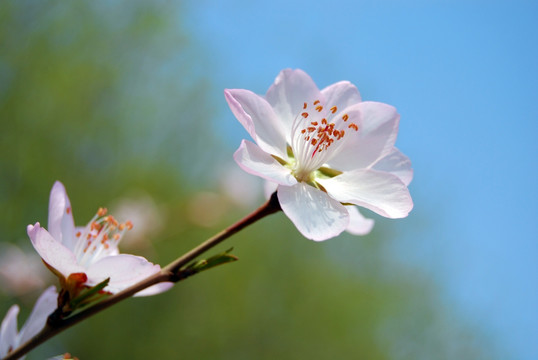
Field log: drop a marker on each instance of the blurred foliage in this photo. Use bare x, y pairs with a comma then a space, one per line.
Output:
109, 98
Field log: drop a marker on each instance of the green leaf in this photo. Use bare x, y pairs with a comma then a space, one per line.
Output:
205, 264
88, 295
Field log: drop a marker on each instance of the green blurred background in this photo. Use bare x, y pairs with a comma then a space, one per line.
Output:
112, 99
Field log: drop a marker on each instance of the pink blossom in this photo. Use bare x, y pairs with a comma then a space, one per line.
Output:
87, 256
323, 150
10, 338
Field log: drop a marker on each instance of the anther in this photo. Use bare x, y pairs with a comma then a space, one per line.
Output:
353, 126
304, 106
319, 108
333, 109
345, 117
305, 115
316, 102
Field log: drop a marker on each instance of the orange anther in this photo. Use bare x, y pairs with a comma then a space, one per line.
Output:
324, 121
316, 102
78, 234
305, 115
319, 108
129, 224
304, 106
315, 123
101, 212
345, 117
333, 109
68, 210
314, 141
116, 237
353, 126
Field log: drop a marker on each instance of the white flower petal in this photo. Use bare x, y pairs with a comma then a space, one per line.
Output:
155, 289
54, 253
61, 225
259, 119
358, 224
396, 163
378, 191
314, 213
341, 94
124, 270
269, 188
290, 90
44, 306
377, 130
257, 162
8, 331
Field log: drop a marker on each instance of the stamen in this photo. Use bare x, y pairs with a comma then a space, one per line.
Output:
102, 235
316, 136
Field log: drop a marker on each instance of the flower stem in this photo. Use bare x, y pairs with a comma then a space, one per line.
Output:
172, 272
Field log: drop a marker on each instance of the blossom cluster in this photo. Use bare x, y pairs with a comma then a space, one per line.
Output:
324, 152
81, 257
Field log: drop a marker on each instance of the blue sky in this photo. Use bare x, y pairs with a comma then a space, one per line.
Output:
464, 77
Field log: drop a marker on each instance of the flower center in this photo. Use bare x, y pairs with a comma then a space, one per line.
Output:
317, 134
99, 238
